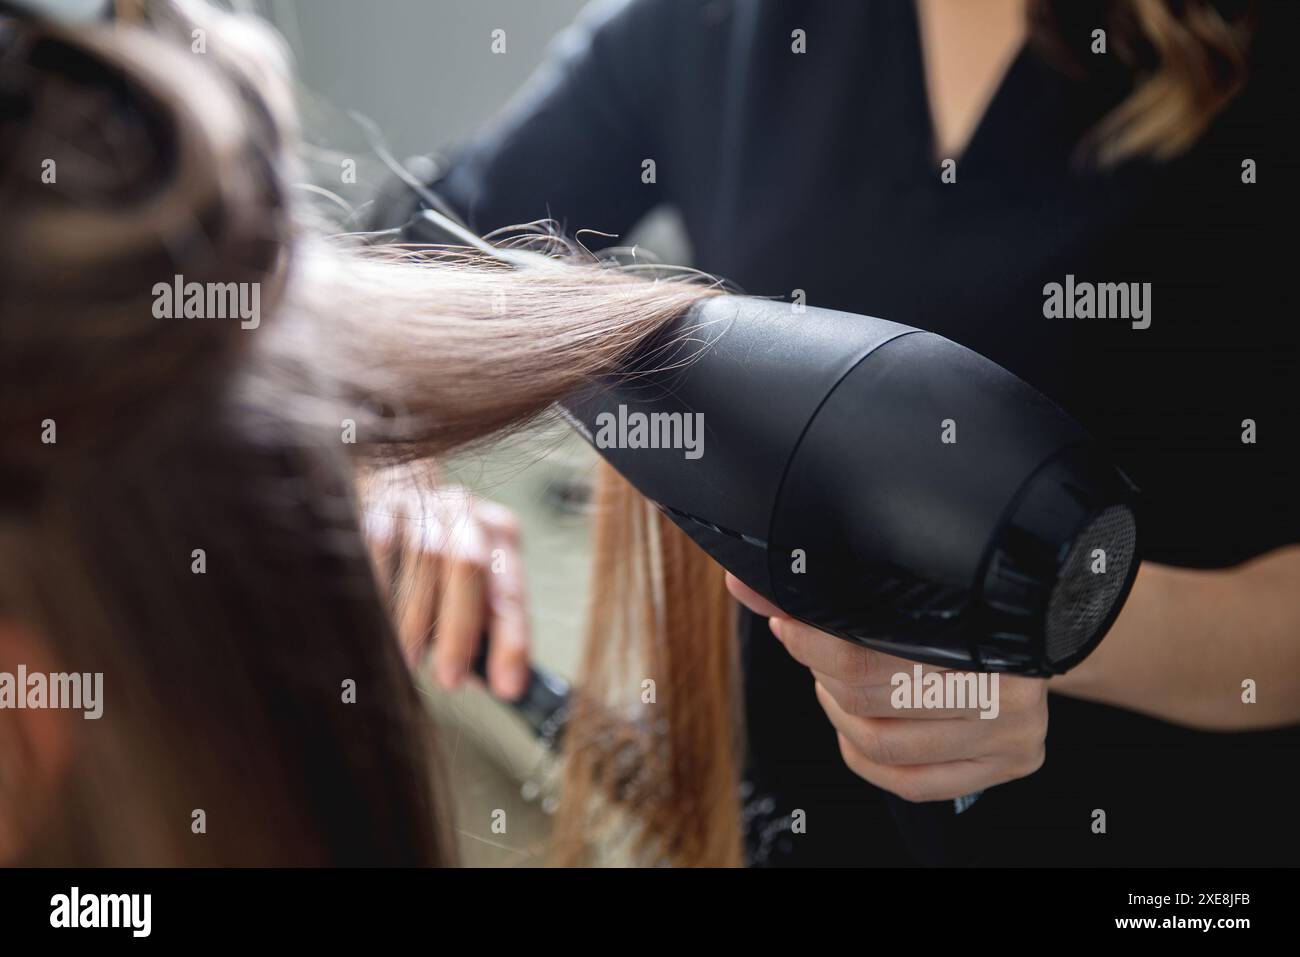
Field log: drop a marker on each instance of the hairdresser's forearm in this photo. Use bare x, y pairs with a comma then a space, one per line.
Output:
1187, 640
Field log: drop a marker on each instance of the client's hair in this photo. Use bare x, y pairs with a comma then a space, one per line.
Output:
176, 494
660, 785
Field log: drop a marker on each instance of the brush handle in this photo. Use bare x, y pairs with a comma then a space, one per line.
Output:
544, 703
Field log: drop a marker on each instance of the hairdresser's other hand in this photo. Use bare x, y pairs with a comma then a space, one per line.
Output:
919, 754
455, 569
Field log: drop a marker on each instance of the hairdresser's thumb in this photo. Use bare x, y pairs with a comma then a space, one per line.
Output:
752, 599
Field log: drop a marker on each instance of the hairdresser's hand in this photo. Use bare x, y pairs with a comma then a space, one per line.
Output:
920, 754
455, 571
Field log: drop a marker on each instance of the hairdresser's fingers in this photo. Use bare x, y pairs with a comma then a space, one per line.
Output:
508, 647
378, 530
462, 617
900, 741
928, 782
750, 598
463, 611
407, 576
851, 664
878, 701
416, 599
936, 760
383, 542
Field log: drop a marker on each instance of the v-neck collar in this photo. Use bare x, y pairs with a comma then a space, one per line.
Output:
921, 112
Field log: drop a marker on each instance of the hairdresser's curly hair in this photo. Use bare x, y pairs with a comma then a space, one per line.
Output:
1171, 67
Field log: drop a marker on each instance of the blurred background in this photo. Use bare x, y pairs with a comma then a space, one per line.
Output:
424, 74
422, 70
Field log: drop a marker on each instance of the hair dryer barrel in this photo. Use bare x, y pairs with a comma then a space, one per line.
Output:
877, 481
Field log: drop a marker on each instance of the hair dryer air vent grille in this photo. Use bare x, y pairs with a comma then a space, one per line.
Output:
1092, 578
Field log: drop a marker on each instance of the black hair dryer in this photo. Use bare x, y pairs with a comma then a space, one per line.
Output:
879, 482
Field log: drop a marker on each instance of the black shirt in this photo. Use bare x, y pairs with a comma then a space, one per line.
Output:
815, 171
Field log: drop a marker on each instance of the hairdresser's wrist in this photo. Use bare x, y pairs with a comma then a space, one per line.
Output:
1107, 675
1215, 650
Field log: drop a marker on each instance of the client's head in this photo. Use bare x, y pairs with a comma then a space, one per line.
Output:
190, 377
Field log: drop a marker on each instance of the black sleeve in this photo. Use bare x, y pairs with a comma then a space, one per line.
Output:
571, 145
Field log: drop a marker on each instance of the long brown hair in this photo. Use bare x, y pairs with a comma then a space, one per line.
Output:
654, 745
178, 506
